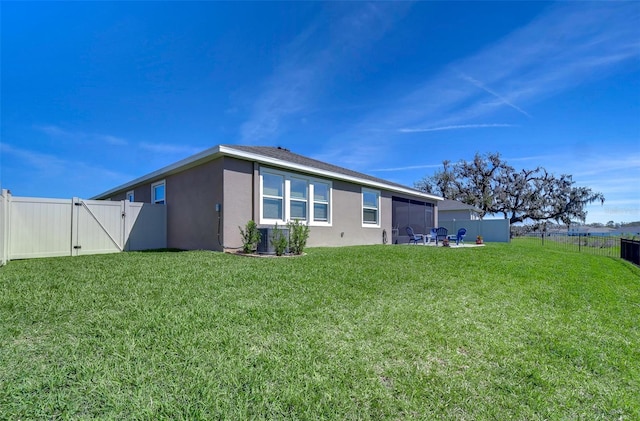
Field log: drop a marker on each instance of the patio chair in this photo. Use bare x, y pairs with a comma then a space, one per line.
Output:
441, 234
413, 237
460, 237
432, 235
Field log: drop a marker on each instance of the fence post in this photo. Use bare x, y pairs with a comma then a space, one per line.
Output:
4, 226
74, 246
126, 227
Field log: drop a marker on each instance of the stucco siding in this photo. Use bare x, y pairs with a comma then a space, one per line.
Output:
191, 198
346, 223
238, 200
141, 193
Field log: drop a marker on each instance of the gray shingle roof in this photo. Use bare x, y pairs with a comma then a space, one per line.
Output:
454, 205
288, 156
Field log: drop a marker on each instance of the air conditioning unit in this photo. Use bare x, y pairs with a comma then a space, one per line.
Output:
266, 234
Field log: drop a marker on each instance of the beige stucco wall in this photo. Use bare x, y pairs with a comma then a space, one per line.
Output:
238, 200
191, 197
241, 203
347, 228
141, 193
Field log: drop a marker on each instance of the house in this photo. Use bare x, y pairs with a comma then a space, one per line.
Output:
210, 194
451, 210
585, 230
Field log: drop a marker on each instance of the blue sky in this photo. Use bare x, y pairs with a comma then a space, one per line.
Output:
95, 94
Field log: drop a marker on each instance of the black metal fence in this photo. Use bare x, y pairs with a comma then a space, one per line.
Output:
630, 250
602, 245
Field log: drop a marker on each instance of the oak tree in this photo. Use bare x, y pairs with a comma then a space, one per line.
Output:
491, 185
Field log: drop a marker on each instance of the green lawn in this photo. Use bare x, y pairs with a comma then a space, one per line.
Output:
379, 332
604, 246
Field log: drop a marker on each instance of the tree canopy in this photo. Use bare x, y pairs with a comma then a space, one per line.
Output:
491, 185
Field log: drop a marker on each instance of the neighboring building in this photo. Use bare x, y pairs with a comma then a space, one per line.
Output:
210, 194
587, 230
450, 210
631, 230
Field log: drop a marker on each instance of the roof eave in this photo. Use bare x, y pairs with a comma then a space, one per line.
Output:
184, 164
221, 150
324, 173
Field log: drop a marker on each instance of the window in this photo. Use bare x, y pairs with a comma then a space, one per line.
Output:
158, 193
370, 207
321, 202
298, 199
272, 196
130, 196
286, 197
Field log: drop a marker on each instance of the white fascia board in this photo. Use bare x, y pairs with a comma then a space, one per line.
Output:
324, 173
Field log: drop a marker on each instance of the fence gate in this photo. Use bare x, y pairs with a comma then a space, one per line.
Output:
97, 227
40, 227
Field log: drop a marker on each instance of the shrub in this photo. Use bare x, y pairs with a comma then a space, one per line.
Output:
298, 235
250, 237
279, 240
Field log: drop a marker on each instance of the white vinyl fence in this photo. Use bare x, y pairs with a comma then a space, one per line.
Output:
39, 227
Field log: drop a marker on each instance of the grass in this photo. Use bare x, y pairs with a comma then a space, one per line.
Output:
375, 332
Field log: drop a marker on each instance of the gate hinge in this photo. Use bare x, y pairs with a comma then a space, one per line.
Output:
78, 203
77, 247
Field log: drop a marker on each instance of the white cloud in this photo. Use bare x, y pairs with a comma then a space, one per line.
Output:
537, 158
112, 140
457, 127
569, 45
30, 170
80, 136
500, 97
408, 168
36, 160
299, 78
171, 149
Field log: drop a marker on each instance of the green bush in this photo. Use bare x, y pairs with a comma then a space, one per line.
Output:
250, 237
298, 235
279, 240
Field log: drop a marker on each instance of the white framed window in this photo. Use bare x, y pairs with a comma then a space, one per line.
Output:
285, 197
158, 193
370, 208
298, 201
321, 202
130, 196
272, 197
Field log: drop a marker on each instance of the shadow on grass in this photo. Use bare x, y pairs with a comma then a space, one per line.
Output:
167, 250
